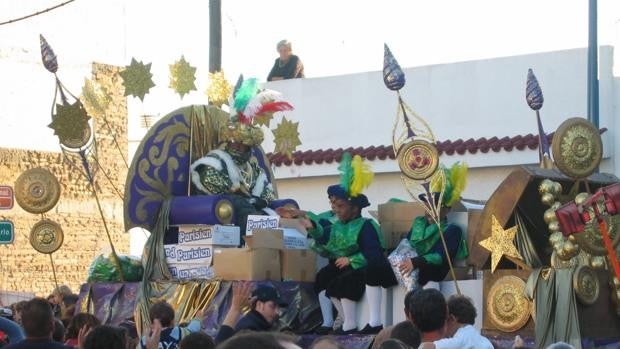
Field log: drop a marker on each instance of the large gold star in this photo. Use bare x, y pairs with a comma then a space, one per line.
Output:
70, 124
137, 79
501, 243
286, 137
182, 77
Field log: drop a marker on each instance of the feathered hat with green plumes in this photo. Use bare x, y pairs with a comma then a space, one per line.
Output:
455, 182
355, 176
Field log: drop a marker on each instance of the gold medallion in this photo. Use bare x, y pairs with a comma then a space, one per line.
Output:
586, 285
591, 239
577, 148
37, 190
507, 307
46, 236
72, 142
418, 159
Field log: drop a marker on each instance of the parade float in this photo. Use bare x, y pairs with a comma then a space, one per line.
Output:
543, 250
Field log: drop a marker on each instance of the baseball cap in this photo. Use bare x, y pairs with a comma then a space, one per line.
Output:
267, 293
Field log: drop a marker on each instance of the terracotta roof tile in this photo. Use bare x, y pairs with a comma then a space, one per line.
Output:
383, 152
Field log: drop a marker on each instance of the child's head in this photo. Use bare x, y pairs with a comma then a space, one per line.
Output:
163, 312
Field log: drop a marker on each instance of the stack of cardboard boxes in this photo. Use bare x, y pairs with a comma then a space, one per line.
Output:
191, 254
275, 249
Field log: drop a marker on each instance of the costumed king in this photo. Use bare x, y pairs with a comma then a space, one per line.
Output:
231, 169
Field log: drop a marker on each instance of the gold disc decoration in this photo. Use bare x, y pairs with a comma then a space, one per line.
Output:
37, 190
577, 148
591, 239
46, 236
418, 159
586, 285
72, 142
507, 307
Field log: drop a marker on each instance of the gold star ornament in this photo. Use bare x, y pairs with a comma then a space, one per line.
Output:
286, 137
219, 89
182, 77
137, 79
501, 243
70, 124
96, 97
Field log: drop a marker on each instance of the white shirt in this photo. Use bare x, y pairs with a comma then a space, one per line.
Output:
466, 337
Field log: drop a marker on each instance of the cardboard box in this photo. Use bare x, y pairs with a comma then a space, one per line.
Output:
247, 264
256, 222
298, 265
184, 271
265, 238
290, 235
194, 254
200, 234
395, 220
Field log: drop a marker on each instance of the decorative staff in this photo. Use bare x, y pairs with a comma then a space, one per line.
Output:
414, 145
70, 123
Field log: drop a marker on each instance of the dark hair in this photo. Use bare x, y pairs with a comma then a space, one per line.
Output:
407, 333
263, 340
393, 344
19, 306
197, 340
428, 310
80, 320
408, 302
163, 312
59, 331
463, 309
105, 337
329, 340
37, 318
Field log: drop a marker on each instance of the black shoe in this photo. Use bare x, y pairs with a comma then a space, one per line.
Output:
323, 330
341, 332
371, 329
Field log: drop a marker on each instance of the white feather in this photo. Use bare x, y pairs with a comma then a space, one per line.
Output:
261, 98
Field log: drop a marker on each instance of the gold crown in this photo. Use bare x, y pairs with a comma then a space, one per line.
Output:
242, 133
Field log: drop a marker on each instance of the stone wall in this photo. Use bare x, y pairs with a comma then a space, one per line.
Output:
22, 269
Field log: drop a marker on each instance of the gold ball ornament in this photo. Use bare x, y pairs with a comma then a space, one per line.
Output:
570, 248
549, 216
581, 198
554, 226
556, 189
224, 211
545, 187
547, 199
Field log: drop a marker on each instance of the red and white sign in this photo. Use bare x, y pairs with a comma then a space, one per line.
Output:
6, 197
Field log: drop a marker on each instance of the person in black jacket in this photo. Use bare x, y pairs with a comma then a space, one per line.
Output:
288, 65
265, 306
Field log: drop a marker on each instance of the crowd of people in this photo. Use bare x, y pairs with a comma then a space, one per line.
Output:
432, 322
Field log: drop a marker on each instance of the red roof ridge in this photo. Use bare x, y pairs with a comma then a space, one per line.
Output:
383, 152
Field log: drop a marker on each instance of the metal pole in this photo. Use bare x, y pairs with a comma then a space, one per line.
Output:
593, 63
215, 35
